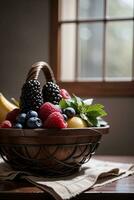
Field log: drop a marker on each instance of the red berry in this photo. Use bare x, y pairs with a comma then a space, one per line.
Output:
64, 93
6, 124
46, 109
55, 120
11, 116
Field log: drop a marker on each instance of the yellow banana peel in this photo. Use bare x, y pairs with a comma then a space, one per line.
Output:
15, 102
5, 107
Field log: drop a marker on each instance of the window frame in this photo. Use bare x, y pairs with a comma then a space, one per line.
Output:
83, 88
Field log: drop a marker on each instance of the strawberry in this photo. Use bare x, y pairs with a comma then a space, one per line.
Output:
64, 93
55, 120
46, 109
6, 124
11, 116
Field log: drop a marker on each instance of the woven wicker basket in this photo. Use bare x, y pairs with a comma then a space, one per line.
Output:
52, 152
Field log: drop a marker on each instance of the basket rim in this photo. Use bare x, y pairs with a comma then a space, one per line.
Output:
55, 131
51, 136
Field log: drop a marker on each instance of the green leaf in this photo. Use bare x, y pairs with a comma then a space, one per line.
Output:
64, 103
78, 103
84, 117
93, 120
95, 110
89, 113
91, 107
92, 112
77, 100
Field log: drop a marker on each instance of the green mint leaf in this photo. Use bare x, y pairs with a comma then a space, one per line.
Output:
78, 103
93, 120
90, 113
64, 103
84, 117
95, 110
77, 100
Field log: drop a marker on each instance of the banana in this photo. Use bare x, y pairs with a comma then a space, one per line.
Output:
5, 107
15, 102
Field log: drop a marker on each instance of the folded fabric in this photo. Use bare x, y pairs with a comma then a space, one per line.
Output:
92, 174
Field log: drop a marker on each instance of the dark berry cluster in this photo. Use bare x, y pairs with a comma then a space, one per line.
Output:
51, 93
28, 120
31, 96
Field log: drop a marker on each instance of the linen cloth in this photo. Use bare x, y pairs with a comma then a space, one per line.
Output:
93, 174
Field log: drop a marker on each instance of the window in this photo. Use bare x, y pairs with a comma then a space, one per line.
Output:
92, 46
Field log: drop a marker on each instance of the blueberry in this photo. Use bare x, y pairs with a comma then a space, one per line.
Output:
34, 122
21, 118
65, 117
70, 112
31, 113
18, 125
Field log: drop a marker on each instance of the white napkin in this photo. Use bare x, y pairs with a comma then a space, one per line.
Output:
92, 174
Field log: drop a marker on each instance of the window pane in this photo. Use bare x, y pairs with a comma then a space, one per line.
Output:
67, 9
120, 8
68, 52
90, 50
119, 50
91, 9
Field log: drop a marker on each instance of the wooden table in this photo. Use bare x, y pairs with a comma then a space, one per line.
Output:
122, 189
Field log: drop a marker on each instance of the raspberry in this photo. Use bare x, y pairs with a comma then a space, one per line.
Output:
11, 116
55, 120
46, 109
6, 124
64, 93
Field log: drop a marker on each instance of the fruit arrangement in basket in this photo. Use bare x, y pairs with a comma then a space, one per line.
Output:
56, 131
51, 107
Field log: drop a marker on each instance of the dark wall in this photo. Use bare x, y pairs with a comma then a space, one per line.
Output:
24, 39
120, 139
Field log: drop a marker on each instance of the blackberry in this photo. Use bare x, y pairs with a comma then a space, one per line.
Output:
31, 96
51, 93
